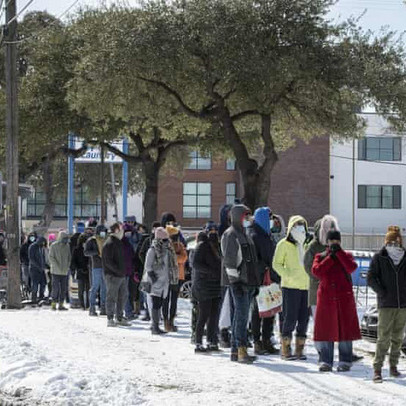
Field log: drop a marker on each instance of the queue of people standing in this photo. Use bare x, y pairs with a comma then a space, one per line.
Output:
125, 269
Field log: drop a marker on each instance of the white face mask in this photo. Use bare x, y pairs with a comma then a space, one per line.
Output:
299, 234
395, 253
271, 223
128, 234
246, 223
103, 234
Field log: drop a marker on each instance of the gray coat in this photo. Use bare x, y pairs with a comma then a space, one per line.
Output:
315, 247
160, 287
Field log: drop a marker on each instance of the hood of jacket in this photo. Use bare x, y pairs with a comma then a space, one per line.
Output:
317, 227
62, 235
328, 222
237, 213
296, 219
261, 217
41, 241
224, 218
167, 218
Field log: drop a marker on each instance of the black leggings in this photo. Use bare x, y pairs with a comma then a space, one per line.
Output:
208, 312
258, 322
170, 304
156, 302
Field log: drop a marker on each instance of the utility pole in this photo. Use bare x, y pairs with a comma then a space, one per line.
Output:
102, 188
12, 220
113, 191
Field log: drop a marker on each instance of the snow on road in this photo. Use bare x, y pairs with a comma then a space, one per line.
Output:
68, 358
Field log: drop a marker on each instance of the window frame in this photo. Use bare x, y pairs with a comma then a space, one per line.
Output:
194, 159
235, 164
396, 149
197, 205
396, 197
229, 195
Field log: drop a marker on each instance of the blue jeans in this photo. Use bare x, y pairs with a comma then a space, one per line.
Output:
242, 297
326, 349
38, 280
97, 283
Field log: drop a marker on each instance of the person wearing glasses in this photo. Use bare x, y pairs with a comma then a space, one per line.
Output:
387, 277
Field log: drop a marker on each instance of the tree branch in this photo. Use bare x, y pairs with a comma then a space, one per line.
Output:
243, 114
127, 157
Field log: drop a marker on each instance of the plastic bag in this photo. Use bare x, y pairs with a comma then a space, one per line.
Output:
269, 298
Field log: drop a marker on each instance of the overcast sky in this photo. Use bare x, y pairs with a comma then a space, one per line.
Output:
391, 13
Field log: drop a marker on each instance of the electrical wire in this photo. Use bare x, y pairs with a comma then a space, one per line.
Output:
20, 12
369, 161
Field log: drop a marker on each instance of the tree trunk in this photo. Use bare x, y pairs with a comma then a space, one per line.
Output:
150, 203
49, 208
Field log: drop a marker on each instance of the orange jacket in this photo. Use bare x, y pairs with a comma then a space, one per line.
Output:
181, 256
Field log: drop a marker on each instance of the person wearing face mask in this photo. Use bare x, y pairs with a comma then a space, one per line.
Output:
387, 277
206, 287
36, 255
265, 249
160, 264
240, 273
93, 248
114, 269
60, 260
336, 315
278, 228
170, 303
288, 262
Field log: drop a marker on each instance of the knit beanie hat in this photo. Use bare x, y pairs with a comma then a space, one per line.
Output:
393, 235
333, 235
171, 230
161, 234
51, 237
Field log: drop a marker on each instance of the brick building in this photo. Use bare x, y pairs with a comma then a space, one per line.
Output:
299, 185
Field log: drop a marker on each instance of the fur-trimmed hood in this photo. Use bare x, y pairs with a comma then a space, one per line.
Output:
328, 222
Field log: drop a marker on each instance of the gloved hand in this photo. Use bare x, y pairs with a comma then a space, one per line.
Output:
152, 276
334, 248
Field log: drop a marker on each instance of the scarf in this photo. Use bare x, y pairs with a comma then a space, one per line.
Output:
163, 248
396, 254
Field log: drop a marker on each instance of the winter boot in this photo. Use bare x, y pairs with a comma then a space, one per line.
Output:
213, 347
200, 349
378, 376
53, 306
299, 348
259, 348
92, 312
225, 338
343, 368
155, 323
243, 357
173, 327
325, 368
356, 358
62, 307
123, 323
167, 326
394, 373
137, 308
270, 348
287, 349
103, 311
111, 323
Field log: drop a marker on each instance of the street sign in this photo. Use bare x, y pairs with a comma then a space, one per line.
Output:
92, 155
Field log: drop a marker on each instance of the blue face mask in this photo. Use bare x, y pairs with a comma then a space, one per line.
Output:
246, 223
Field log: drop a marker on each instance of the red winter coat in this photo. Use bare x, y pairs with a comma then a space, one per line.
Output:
336, 315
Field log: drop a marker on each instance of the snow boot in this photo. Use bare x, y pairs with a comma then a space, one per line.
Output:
299, 348
173, 327
103, 311
243, 357
325, 368
234, 356
225, 338
111, 323
62, 307
92, 312
167, 326
270, 348
123, 323
200, 349
53, 306
155, 323
259, 348
394, 373
287, 349
378, 376
343, 368
213, 347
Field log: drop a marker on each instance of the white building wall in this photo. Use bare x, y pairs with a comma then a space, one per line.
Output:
367, 221
134, 208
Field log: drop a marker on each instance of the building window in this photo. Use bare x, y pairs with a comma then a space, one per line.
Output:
380, 149
197, 161
230, 164
379, 197
196, 200
84, 206
231, 192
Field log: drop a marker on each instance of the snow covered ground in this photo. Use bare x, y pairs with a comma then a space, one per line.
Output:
53, 358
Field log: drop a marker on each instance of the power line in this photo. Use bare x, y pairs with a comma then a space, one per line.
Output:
367, 160
21, 11
59, 17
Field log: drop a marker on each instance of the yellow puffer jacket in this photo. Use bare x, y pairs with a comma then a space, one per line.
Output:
286, 261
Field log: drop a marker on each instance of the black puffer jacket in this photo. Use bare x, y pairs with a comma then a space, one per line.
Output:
206, 270
388, 280
265, 247
113, 257
80, 263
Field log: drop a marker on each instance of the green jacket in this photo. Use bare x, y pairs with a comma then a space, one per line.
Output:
286, 261
60, 256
